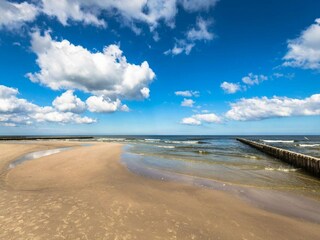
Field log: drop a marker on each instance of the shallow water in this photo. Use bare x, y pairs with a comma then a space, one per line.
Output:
228, 165
223, 159
281, 202
35, 155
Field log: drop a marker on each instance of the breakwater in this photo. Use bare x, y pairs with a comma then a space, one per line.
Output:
308, 163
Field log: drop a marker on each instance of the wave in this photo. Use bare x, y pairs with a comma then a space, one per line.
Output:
165, 146
250, 156
309, 145
281, 169
277, 141
203, 152
182, 142
152, 140
110, 139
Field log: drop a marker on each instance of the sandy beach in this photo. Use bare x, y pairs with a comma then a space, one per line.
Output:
86, 193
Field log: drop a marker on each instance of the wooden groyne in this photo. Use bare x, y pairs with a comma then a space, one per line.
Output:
308, 163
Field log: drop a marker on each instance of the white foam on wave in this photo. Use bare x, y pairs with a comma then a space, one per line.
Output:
182, 142
110, 139
251, 156
281, 169
160, 146
152, 140
277, 141
203, 152
309, 145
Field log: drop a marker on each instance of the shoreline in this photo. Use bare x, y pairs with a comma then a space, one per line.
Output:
86, 191
272, 200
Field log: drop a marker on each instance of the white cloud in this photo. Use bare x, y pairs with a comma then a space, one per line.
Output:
8, 124
145, 92
187, 93
9, 103
93, 12
230, 87
67, 66
187, 103
192, 5
304, 51
181, 46
208, 118
190, 121
249, 80
282, 75
66, 10
252, 79
7, 92
198, 119
150, 12
68, 102
49, 114
101, 104
13, 15
263, 108
200, 32
17, 111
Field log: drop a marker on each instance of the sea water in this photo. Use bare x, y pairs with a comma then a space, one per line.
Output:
222, 159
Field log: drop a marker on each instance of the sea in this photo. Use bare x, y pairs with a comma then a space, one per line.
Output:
220, 159
212, 159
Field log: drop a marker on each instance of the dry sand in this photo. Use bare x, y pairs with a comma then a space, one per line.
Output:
86, 193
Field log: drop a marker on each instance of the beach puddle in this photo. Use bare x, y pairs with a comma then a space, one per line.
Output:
35, 155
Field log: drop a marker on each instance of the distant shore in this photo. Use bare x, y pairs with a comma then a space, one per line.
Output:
23, 138
86, 193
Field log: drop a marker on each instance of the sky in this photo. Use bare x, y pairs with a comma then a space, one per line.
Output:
213, 67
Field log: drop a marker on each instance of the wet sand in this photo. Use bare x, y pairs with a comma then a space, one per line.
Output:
86, 193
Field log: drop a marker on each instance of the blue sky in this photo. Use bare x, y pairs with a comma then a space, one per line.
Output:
160, 67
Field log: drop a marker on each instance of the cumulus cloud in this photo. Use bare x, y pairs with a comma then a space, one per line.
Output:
128, 12
190, 121
263, 108
198, 119
18, 111
9, 103
6, 92
66, 10
67, 66
187, 103
304, 51
187, 93
68, 102
230, 87
247, 81
208, 118
145, 92
198, 33
105, 105
13, 15
253, 79
151, 12
49, 114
